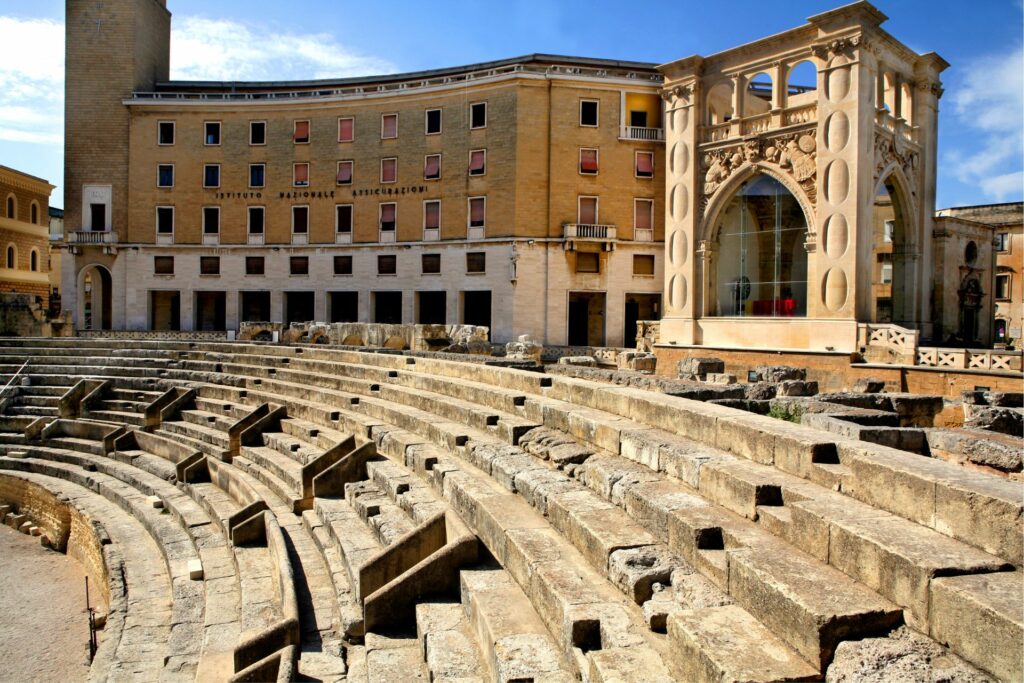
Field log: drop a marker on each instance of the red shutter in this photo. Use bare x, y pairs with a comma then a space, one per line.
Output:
390, 127
302, 131
302, 174
387, 213
345, 172
345, 130
588, 161
476, 161
645, 164
433, 167
642, 215
433, 215
588, 211
476, 211
388, 170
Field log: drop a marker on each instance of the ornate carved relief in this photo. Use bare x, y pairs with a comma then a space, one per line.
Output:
839, 46
678, 92
890, 148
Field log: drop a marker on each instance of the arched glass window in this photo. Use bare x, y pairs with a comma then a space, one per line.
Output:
35, 213
760, 265
10, 207
12, 257
33, 260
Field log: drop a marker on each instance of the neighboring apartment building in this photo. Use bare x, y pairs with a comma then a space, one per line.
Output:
1006, 221
525, 194
24, 221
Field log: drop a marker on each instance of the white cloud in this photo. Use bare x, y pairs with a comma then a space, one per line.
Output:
222, 50
31, 80
988, 100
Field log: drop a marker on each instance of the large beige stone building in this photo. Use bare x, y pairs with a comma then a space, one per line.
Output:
524, 194
24, 221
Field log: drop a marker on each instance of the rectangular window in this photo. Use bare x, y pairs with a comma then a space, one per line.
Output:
346, 129
298, 265
431, 264
388, 170
343, 218
165, 220
254, 265
387, 217
1003, 286
165, 175
345, 172
587, 214
256, 216
387, 264
643, 214
588, 113
300, 134
478, 162
211, 220
257, 175
165, 133
645, 164
887, 231
257, 132
476, 262
477, 212
211, 133
886, 276
209, 265
211, 175
588, 262
300, 220
432, 215
643, 264
478, 115
588, 161
433, 121
1003, 241
388, 126
163, 265
300, 175
432, 167
343, 265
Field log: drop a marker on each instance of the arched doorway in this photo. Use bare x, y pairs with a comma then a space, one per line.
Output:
760, 259
95, 310
891, 254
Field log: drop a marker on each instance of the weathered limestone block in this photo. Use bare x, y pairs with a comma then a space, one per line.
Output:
637, 361
761, 391
796, 387
524, 348
720, 378
996, 419
778, 373
693, 368
636, 570
868, 385
584, 361
902, 656
195, 569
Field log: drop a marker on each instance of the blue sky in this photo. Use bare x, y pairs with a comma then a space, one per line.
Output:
981, 134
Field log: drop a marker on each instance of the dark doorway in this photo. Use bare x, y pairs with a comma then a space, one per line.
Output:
255, 307
476, 308
210, 307
344, 307
164, 310
98, 214
639, 307
586, 318
431, 308
638, 119
387, 308
298, 307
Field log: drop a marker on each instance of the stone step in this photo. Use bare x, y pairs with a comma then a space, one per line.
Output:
25, 399
226, 409
350, 611
213, 421
447, 642
291, 447
388, 521
355, 542
393, 659
405, 489
317, 436
125, 405
281, 466
283, 489
197, 431
119, 416
35, 411
177, 431
72, 443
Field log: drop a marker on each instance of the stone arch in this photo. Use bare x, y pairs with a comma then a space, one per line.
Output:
33, 260
893, 243
720, 102
724, 193
34, 213
11, 206
11, 256
95, 300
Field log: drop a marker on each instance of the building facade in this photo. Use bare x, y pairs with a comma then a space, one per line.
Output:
24, 234
525, 195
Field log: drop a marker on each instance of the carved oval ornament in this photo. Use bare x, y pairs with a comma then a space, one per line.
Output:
680, 120
677, 250
838, 79
835, 289
679, 203
680, 158
837, 236
837, 182
837, 131
677, 291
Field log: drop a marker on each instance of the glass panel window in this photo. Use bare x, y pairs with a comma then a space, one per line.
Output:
256, 216
387, 264
211, 220
345, 172
298, 265
387, 216
588, 113
433, 122
478, 162
388, 170
300, 175
163, 265
1003, 286
431, 263
478, 115
343, 218
432, 167
257, 175
343, 265
645, 164
301, 133
588, 262
257, 132
643, 264
588, 161
643, 214
165, 133
164, 177
254, 265
432, 215
890, 227
476, 262
211, 133
477, 212
1000, 330
346, 129
300, 220
1003, 241
760, 264
587, 211
209, 265
211, 175
165, 220
389, 126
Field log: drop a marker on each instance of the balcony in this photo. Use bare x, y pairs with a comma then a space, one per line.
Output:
642, 134
91, 237
587, 232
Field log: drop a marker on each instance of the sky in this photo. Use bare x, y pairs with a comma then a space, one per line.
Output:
981, 123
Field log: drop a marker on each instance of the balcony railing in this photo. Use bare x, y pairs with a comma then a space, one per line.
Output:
589, 231
643, 235
92, 237
641, 133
